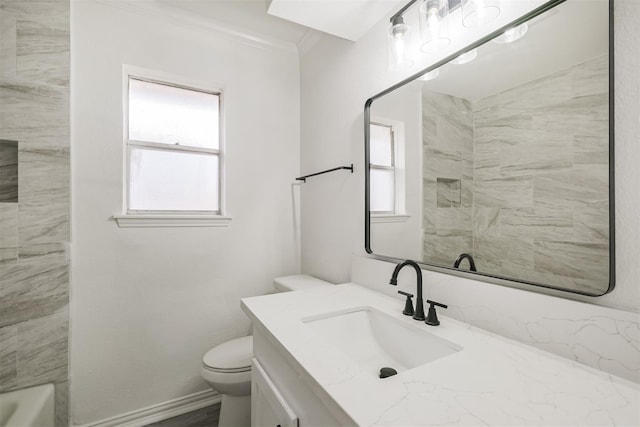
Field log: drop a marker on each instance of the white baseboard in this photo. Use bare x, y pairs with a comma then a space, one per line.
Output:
161, 411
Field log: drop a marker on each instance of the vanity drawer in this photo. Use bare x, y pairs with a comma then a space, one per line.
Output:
268, 406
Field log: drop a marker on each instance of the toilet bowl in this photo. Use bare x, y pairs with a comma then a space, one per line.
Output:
227, 367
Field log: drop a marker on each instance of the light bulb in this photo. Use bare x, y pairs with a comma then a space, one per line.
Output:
466, 57
512, 34
433, 22
396, 42
476, 13
434, 30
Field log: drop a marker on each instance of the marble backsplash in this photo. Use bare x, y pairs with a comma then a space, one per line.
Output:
600, 337
35, 203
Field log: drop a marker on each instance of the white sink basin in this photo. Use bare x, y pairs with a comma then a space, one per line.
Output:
375, 340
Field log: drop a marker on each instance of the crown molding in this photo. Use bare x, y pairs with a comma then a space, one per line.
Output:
191, 21
308, 41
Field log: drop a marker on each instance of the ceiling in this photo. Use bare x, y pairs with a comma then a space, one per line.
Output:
246, 16
348, 19
289, 21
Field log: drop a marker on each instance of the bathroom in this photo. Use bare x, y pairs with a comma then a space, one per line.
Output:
117, 313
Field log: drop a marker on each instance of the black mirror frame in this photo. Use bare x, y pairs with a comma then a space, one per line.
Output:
484, 276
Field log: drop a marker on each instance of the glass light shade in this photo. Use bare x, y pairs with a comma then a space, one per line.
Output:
430, 75
466, 57
476, 13
512, 34
434, 27
397, 39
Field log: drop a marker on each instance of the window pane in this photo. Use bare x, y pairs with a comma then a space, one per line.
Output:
169, 180
382, 194
380, 146
170, 115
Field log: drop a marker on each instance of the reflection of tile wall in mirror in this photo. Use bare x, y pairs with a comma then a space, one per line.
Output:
8, 171
537, 172
448, 177
448, 192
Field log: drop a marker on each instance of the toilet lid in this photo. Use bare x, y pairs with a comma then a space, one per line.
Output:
231, 356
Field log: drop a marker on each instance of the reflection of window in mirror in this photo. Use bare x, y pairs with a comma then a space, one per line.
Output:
387, 169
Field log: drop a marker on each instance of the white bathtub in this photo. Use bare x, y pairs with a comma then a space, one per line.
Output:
30, 407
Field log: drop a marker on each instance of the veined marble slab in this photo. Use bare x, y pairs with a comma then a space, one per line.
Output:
42, 353
600, 337
44, 195
491, 381
29, 291
8, 225
8, 357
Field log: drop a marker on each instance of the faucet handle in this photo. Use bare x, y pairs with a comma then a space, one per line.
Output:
432, 316
408, 305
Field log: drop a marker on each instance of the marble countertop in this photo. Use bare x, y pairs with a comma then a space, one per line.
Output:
491, 381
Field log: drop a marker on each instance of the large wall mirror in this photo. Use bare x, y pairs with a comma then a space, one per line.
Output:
502, 167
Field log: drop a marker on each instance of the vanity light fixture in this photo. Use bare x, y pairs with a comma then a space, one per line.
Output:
466, 57
430, 75
476, 13
397, 44
434, 28
512, 34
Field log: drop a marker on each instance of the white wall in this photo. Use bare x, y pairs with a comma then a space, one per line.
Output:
336, 79
403, 238
148, 303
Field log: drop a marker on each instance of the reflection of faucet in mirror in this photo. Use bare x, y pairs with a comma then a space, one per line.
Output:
472, 265
419, 312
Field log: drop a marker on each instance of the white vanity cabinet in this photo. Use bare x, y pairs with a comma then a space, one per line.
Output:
279, 395
268, 407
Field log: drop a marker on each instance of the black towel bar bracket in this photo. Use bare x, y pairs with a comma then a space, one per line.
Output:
304, 178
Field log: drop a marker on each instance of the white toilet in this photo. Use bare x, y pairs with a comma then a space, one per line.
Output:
227, 367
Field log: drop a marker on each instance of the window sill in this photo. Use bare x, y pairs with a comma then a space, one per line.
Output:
138, 221
379, 218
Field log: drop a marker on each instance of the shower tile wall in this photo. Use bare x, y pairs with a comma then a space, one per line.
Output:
34, 222
537, 207
447, 177
541, 177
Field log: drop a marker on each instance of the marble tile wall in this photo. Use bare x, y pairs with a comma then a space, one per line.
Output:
520, 179
447, 124
34, 226
541, 179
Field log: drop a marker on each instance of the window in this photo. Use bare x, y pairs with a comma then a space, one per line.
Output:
382, 170
387, 170
173, 150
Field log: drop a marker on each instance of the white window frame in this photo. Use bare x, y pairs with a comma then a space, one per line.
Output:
399, 174
173, 218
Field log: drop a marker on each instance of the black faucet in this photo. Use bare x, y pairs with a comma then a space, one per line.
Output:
419, 312
472, 265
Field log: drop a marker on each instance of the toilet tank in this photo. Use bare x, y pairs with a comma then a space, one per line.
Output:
297, 282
